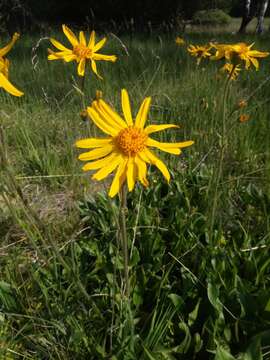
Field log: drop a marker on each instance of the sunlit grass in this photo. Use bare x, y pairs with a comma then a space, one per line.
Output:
60, 261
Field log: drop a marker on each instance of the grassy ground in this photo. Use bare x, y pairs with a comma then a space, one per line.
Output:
199, 265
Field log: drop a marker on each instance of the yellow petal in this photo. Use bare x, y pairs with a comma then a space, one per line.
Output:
142, 170
106, 117
82, 38
91, 43
119, 178
6, 85
154, 128
4, 66
131, 173
142, 113
65, 55
92, 143
53, 57
126, 107
58, 45
110, 112
94, 68
96, 153
99, 163
255, 53
255, 63
149, 157
8, 47
99, 45
157, 144
104, 126
81, 67
70, 35
69, 57
111, 58
173, 148
109, 168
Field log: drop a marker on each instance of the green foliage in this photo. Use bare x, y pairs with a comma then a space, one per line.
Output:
212, 17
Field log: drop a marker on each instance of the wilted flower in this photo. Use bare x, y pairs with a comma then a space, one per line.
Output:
231, 70
81, 51
126, 147
180, 41
244, 117
199, 51
242, 103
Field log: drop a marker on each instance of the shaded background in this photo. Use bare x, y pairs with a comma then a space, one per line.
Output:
123, 15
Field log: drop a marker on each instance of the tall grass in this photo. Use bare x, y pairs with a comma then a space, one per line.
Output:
196, 292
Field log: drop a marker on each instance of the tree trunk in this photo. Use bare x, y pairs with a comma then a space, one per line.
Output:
261, 14
248, 15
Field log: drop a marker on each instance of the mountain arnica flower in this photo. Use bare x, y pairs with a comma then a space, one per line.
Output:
200, 51
125, 149
180, 41
238, 53
231, 70
4, 68
81, 52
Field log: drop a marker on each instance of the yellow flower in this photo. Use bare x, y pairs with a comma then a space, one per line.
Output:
232, 70
222, 51
4, 68
84, 114
126, 147
244, 118
179, 41
236, 53
81, 51
242, 103
8, 47
199, 51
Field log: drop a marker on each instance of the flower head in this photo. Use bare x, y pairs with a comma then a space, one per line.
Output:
81, 51
199, 51
126, 146
231, 70
4, 68
244, 117
180, 41
238, 53
242, 103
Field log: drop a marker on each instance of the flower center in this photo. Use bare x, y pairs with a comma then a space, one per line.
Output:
82, 51
131, 140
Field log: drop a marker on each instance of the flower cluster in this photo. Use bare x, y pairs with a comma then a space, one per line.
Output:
235, 56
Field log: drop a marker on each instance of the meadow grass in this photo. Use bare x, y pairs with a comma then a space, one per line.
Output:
199, 279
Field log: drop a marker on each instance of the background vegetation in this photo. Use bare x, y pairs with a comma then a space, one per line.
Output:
200, 285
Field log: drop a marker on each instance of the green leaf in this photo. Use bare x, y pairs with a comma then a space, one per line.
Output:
176, 300
213, 296
223, 354
185, 344
193, 315
254, 350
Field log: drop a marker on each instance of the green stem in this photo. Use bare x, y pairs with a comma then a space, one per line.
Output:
123, 235
82, 85
222, 152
